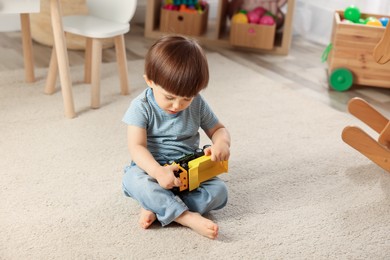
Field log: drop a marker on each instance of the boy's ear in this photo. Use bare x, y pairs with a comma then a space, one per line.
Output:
148, 81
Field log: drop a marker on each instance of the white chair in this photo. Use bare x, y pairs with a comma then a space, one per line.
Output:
105, 19
24, 8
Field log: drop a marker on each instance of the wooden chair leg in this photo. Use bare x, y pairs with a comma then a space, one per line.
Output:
95, 72
367, 114
52, 74
122, 64
62, 58
366, 145
88, 60
27, 47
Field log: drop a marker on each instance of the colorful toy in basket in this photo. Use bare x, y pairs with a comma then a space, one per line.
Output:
384, 21
353, 14
187, 6
259, 15
255, 15
255, 28
240, 17
256, 9
181, 18
180, 2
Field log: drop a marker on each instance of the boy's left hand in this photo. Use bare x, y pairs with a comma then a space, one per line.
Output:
218, 152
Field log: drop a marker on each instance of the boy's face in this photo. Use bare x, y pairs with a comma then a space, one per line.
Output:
168, 102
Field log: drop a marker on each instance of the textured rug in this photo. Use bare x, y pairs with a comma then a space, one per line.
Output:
296, 191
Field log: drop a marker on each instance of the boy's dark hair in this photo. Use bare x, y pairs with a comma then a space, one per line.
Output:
178, 64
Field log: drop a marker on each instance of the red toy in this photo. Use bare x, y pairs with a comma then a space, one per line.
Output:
267, 20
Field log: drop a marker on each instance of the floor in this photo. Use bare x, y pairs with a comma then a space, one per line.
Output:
301, 70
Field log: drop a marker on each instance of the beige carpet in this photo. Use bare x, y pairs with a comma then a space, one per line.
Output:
296, 190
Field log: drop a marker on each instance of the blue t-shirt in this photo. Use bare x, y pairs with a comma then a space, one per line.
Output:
170, 137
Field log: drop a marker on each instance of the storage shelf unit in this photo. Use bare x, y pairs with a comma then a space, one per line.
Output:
218, 30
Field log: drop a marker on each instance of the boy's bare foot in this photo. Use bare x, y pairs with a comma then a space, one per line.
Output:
199, 224
146, 218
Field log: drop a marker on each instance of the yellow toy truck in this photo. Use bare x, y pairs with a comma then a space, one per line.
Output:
196, 168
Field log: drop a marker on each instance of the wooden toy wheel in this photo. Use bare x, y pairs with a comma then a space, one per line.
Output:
341, 79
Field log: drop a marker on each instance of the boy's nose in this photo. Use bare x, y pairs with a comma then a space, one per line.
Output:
176, 105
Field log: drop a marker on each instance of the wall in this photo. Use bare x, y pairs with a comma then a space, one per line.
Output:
9, 21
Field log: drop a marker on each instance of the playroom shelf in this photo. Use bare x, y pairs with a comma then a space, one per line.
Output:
218, 29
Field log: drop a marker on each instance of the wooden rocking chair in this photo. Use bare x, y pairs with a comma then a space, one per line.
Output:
376, 151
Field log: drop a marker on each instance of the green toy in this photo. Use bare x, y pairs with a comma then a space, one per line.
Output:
352, 13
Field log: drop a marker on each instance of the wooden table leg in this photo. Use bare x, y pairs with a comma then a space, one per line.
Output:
27, 47
62, 57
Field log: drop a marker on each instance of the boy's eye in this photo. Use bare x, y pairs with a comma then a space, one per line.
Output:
169, 98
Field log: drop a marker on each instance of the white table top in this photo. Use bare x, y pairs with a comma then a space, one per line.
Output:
19, 6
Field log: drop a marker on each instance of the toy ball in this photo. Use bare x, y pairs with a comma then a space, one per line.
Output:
267, 20
368, 19
253, 17
169, 7
260, 11
240, 18
352, 13
384, 21
374, 22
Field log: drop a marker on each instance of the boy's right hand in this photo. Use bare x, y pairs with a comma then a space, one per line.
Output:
166, 177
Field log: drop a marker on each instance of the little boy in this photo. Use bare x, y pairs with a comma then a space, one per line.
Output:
163, 124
